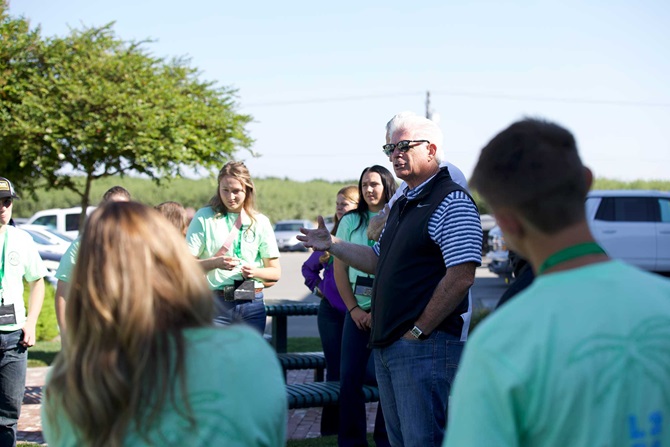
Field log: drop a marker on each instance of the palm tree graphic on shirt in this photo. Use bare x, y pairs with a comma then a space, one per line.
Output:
644, 349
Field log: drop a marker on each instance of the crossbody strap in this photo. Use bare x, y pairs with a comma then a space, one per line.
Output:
232, 235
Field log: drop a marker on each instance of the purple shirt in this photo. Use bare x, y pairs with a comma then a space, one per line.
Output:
311, 271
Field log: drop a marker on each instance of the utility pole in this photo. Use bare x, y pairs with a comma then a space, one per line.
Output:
429, 113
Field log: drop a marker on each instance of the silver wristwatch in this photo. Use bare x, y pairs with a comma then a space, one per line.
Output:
418, 333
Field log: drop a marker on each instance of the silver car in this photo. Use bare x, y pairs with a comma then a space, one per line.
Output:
286, 232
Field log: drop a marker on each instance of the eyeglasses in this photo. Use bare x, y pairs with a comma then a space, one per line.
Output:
402, 146
7, 202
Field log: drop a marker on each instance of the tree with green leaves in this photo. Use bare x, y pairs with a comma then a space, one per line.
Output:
19, 50
95, 106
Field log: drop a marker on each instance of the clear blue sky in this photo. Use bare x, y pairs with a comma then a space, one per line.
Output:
322, 78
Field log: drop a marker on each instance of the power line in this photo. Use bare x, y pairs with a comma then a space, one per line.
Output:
325, 100
471, 95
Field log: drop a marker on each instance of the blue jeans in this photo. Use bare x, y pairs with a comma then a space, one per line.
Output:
357, 369
331, 323
249, 312
13, 363
415, 378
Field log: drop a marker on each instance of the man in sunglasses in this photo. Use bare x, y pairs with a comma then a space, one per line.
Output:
424, 264
377, 222
19, 260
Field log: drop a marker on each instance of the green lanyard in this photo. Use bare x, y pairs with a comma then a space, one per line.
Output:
570, 253
237, 244
2, 263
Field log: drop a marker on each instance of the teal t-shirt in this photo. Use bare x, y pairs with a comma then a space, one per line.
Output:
236, 391
20, 260
68, 261
207, 232
581, 358
347, 231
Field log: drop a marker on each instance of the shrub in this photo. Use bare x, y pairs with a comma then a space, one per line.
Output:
47, 325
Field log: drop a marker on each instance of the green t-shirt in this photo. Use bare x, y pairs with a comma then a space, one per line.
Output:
347, 231
207, 232
20, 260
68, 261
580, 358
236, 391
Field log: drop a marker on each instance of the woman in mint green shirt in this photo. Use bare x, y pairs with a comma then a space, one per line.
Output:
143, 364
236, 248
375, 187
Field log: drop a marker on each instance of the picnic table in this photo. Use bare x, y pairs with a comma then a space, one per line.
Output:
280, 311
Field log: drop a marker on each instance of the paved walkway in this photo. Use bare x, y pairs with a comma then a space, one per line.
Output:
302, 423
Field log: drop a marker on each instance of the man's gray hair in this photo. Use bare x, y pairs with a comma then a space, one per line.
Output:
420, 128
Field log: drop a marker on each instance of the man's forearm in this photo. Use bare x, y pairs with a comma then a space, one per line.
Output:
447, 296
360, 257
35, 300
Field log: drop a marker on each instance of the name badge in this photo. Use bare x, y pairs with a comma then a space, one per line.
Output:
363, 286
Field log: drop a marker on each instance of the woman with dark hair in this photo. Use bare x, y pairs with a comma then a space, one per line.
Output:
236, 247
375, 187
318, 273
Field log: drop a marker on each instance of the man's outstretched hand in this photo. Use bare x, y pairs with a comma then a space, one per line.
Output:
318, 239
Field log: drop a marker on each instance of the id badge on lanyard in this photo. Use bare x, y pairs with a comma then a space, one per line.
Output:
7, 313
363, 286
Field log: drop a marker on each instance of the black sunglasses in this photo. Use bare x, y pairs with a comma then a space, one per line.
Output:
7, 202
402, 146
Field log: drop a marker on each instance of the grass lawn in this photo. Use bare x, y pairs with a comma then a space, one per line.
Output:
43, 353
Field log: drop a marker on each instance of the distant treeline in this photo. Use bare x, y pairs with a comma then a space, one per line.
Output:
276, 198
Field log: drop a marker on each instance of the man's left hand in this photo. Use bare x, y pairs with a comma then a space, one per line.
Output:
29, 338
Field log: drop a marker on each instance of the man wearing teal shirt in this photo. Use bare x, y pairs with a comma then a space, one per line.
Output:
579, 358
69, 260
19, 260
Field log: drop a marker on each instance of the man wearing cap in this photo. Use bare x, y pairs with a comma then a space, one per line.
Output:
19, 260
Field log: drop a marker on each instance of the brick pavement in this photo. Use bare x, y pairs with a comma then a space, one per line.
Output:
302, 423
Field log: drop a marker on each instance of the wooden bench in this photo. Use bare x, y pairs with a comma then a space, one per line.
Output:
319, 394
303, 360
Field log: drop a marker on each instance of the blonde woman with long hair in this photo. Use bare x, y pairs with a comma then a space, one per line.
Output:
137, 368
236, 247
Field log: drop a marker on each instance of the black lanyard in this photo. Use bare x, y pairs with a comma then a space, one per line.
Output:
570, 253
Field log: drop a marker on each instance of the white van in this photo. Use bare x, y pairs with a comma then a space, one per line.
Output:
65, 220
